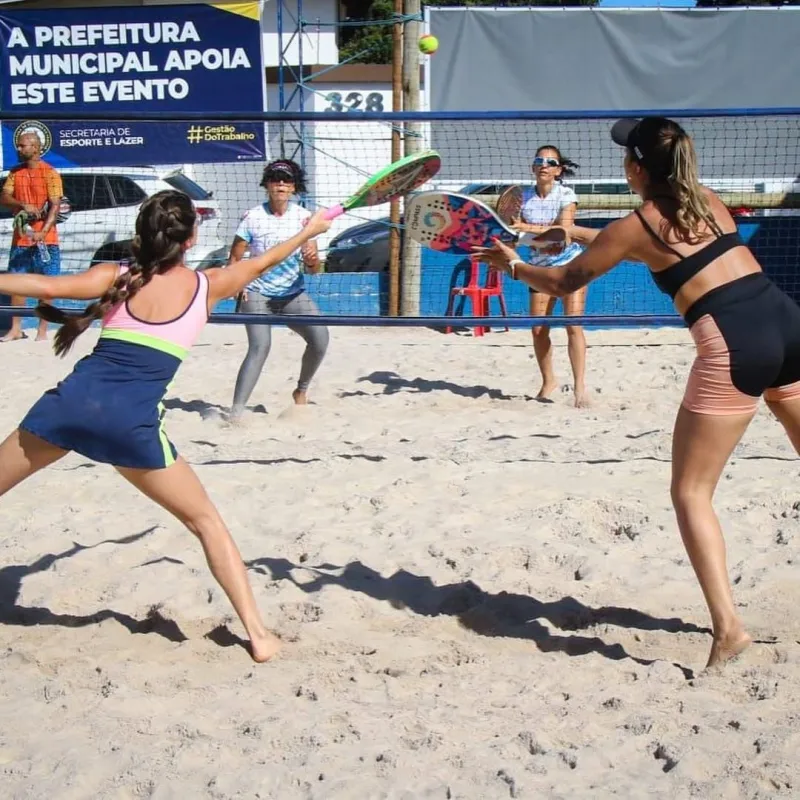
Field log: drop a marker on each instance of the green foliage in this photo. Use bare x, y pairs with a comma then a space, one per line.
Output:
372, 44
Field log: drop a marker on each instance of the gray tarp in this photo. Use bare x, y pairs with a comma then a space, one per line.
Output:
582, 59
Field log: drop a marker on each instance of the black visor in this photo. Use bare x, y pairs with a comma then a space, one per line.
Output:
279, 172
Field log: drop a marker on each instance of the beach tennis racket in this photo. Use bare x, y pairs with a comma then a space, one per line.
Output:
509, 204
455, 223
397, 179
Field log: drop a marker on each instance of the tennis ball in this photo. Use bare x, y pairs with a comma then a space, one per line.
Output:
428, 44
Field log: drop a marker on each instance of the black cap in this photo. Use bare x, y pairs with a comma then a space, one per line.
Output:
626, 133
621, 130
640, 136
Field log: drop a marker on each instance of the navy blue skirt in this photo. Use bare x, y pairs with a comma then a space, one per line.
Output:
110, 409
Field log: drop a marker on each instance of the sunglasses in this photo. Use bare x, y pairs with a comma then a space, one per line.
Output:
540, 161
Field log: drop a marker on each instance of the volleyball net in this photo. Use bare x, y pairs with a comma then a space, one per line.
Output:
751, 157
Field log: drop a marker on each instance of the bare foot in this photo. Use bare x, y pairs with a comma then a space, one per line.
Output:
300, 398
235, 416
40, 337
582, 398
548, 387
725, 648
264, 647
13, 337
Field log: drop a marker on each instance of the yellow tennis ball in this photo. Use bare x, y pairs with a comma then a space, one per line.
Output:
428, 44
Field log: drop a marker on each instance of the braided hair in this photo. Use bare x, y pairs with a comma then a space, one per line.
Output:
165, 223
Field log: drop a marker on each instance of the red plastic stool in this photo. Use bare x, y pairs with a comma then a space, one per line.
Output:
478, 295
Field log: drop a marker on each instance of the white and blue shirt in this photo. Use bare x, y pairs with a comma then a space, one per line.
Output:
262, 229
538, 210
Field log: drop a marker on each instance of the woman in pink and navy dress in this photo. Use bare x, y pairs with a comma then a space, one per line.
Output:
109, 409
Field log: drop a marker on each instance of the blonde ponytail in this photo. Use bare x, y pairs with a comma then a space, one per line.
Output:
693, 206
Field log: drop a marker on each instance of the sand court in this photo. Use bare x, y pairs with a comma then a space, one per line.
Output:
480, 595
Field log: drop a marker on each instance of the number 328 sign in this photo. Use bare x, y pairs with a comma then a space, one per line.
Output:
354, 101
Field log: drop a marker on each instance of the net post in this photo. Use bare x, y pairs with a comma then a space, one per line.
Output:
411, 273
394, 206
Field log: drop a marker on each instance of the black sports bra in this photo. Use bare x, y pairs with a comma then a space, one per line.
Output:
671, 279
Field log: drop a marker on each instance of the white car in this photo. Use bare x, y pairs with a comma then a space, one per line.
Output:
104, 204
748, 188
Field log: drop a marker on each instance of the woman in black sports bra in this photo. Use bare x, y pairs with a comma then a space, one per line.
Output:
746, 330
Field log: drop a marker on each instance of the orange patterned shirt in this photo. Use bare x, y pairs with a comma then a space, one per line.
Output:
35, 186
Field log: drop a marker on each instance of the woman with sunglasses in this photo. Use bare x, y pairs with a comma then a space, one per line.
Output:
550, 202
745, 329
282, 290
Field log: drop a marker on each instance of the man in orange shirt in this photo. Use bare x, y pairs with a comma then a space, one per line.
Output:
34, 188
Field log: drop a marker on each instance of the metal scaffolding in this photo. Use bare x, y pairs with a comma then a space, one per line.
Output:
292, 133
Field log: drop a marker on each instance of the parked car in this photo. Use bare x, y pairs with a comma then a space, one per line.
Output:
582, 188
362, 248
104, 203
747, 188
365, 247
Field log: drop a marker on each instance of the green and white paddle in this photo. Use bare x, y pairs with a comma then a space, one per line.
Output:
396, 179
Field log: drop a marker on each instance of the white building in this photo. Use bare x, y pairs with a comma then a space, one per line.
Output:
337, 156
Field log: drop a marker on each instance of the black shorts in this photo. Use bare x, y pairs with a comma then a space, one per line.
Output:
747, 334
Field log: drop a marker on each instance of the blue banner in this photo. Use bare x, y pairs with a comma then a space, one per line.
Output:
165, 59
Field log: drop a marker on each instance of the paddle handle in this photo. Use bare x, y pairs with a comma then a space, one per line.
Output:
333, 212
